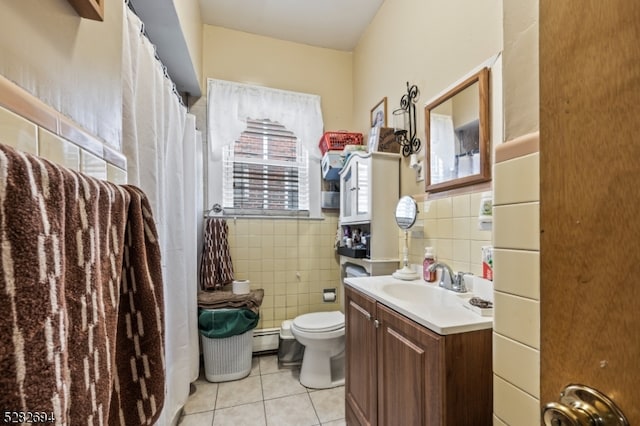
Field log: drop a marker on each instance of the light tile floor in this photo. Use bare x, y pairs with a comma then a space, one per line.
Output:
268, 396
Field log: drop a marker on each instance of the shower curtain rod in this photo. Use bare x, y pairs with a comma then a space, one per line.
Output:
143, 32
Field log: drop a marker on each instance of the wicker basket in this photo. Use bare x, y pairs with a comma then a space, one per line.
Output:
336, 141
228, 358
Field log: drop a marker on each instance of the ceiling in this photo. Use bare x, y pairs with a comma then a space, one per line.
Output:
334, 24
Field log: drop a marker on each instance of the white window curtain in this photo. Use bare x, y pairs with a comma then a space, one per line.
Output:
442, 148
231, 105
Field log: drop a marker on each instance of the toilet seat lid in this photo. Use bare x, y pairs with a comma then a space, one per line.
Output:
319, 322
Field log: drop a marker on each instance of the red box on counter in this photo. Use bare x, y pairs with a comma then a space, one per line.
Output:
336, 141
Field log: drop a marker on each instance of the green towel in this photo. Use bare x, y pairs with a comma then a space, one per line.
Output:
221, 323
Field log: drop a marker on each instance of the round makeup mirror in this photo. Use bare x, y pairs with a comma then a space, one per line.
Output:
406, 214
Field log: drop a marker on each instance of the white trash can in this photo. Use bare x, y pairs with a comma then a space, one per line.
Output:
226, 358
290, 351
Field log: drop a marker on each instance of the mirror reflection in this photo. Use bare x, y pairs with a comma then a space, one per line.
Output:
457, 130
455, 138
406, 212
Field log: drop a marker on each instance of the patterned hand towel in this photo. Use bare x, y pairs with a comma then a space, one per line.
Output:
80, 340
216, 268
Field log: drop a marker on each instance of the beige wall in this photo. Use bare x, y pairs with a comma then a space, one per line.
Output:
521, 68
432, 45
465, 105
404, 43
72, 64
292, 260
191, 24
247, 58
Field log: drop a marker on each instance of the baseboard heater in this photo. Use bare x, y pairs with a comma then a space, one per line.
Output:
265, 340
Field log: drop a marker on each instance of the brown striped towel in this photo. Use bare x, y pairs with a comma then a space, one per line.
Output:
81, 335
216, 268
226, 299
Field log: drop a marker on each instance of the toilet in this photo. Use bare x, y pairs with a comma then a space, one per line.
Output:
322, 334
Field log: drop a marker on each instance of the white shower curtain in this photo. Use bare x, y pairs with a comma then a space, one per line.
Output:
159, 140
443, 154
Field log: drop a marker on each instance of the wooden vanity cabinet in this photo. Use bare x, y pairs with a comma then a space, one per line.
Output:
360, 374
401, 373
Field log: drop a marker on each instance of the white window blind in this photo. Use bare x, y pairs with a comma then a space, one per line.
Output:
265, 172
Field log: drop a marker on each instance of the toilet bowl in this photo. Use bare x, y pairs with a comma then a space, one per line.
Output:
322, 334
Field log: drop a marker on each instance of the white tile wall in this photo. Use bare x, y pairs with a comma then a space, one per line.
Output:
461, 206
450, 226
516, 341
116, 174
93, 166
17, 132
511, 356
517, 180
513, 406
60, 151
26, 136
519, 272
519, 226
517, 318
498, 422
293, 261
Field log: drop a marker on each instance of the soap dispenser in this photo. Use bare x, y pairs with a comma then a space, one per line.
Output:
429, 259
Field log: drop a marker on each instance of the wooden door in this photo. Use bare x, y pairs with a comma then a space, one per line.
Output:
590, 198
360, 388
411, 380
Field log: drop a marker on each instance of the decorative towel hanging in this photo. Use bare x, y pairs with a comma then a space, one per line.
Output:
216, 269
82, 340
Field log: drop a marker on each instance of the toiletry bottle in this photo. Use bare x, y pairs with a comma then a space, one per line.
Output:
429, 259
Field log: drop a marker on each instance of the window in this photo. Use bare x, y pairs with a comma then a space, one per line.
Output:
265, 171
263, 157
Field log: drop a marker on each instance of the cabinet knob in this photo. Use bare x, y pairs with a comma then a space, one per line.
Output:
582, 405
376, 323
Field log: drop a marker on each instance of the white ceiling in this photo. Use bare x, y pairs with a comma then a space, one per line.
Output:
335, 24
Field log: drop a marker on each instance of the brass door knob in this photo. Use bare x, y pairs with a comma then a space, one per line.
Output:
582, 406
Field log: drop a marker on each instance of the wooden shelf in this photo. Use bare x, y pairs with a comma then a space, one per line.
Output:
90, 9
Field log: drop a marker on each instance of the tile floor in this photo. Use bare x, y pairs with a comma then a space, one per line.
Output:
268, 396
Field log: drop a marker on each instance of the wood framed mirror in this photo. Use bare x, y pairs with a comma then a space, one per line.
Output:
457, 133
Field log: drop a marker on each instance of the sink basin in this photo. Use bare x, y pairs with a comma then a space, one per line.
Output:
440, 310
409, 292
416, 292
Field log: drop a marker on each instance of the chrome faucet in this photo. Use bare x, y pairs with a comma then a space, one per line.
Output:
449, 280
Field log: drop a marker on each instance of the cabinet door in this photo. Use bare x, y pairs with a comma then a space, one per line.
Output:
355, 192
360, 388
346, 193
362, 193
410, 379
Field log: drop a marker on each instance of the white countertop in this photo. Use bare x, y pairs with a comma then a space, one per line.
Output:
439, 310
